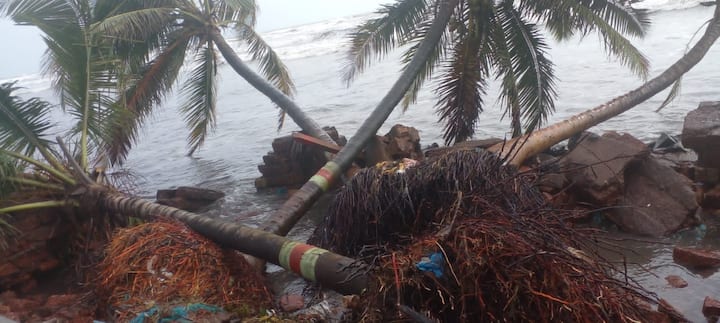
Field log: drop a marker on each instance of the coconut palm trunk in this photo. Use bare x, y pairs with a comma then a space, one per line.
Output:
339, 273
261, 84
295, 207
519, 149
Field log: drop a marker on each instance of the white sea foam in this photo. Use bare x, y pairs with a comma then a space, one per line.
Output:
657, 5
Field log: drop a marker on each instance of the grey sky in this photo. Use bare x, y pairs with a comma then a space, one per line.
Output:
275, 14
24, 44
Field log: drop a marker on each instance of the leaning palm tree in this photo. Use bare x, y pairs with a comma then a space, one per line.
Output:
489, 39
156, 37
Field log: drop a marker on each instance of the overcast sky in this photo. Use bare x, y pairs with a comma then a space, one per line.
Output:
23, 46
276, 14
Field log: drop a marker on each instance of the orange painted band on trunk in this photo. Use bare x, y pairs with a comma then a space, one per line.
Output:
296, 256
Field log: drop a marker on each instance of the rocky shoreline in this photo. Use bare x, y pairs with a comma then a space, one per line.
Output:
651, 190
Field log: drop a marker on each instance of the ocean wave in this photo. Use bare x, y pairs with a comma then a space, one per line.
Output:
664, 5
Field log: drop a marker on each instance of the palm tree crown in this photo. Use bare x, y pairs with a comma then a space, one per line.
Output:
499, 39
157, 37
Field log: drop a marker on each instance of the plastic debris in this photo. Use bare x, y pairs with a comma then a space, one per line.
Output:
432, 263
177, 314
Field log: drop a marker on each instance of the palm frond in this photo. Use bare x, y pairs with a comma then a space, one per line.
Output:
137, 25
531, 69
26, 12
145, 92
674, 93
271, 66
623, 17
24, 124
430, 65
461, 90
238, 12
199, 91
376, 37
609, 18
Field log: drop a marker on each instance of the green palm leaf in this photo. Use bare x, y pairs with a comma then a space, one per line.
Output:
430, 65
271, 66
461, 89
144, 93
137, 25
24, 124
238, 12
376, 37
532, 72
200, 94
610, 19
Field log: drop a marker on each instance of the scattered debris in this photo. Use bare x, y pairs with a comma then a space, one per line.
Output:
165, 264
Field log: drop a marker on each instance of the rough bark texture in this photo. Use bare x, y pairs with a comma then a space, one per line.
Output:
518, 150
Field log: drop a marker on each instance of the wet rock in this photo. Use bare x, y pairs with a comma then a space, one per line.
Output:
291, 163
676, 281
656, 200
711, 307
291, 302
403, 142
696, 258
552, 182
189, 198
597, 164
701, 132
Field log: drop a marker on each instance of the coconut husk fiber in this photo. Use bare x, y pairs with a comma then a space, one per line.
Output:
506, 256
165, 263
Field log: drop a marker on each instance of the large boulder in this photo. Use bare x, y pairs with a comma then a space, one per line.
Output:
656, 201
596, 165
189, 198
701, 132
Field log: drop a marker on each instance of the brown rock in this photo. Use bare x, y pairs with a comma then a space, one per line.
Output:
196, 193
403, 142
552, 182
696, 258
711, 307
596, 165
676, 281
291, 302
656, 200
701, 132
189, 198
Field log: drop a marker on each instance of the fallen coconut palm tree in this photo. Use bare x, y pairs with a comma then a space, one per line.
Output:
464, 238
